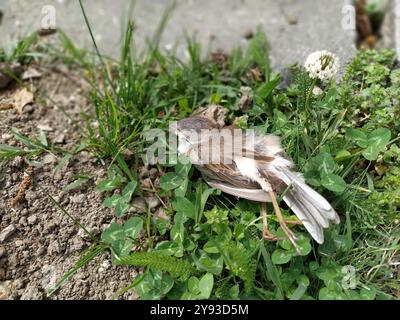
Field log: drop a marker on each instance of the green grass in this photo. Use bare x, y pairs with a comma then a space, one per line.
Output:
345, 141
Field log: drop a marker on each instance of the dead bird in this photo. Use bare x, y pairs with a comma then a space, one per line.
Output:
255, 168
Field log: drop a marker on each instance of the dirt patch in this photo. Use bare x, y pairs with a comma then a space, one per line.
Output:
37, 242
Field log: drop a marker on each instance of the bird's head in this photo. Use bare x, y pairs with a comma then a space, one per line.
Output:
196, 123
189, 132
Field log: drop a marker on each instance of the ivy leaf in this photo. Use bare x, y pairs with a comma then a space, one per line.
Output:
206, 263
161, 225
111, 202
205, 285
377, 142
121, 208
177, 233
182, 169
368, 293
128, 191
181, 190
113, 233
169, 248
266, 89
133, 227
358, 137
193, 285
109, 184
184, 206
304, 246
342, 155
170, 181
326, 294
122, 247
333, 182
280, 256
211, 247
78, 183
325, 163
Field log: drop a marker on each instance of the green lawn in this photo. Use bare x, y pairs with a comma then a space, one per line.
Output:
345, 140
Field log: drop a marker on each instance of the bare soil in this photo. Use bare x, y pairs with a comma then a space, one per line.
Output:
43, 244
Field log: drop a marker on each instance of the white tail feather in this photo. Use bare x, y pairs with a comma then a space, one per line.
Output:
309, 206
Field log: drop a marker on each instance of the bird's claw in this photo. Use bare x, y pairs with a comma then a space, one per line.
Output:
271, 237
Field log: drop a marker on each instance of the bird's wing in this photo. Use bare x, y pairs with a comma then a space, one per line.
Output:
249, 194
228, 178
228, 174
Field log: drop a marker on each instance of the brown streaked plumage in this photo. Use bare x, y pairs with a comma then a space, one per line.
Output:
257, 173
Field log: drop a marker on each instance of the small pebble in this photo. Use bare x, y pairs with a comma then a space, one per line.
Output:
248, 34
32, 219
60, 138
23, 221
153, 202
291, 19
30, 73
2, 274
19, 243
49, 159
5, 292
146, 183
153, 173
45, 127
79, 198
7, 233
6, 137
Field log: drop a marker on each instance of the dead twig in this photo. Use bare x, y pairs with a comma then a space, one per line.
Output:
23, 187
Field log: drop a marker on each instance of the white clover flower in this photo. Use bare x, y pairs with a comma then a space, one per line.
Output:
323, 65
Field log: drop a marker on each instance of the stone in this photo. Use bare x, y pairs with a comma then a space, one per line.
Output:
248, 34
49, 159
82, 234
44, 127
105, 265
153, 173
32, 219
317, 24
31, 293
23, 221
7, 233
291, 19
50, 276
59, 138
138, 205
19, 243
2, 251
2, 274
30, 73
54, 248
146, 184
152, 202
78, 198
41, 251
390, 29
6, 136
5, 291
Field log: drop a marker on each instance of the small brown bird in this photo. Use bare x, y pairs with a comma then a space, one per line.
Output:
257, 169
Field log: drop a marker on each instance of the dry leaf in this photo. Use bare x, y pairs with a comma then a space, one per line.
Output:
30, 73
6, 104
21, 98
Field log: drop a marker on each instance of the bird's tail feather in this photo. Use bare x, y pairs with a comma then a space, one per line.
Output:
310, 207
